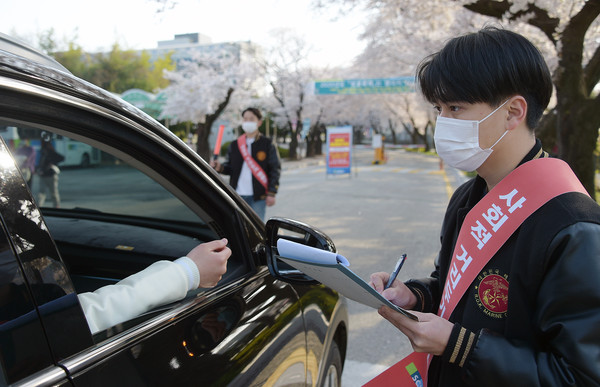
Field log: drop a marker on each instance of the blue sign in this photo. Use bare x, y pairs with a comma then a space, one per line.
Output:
366, 86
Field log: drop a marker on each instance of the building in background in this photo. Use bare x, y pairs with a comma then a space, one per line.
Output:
183, 46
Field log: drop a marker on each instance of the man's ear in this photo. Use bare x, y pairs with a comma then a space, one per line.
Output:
517, 112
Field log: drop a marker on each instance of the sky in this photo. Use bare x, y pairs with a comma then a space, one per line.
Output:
136, 24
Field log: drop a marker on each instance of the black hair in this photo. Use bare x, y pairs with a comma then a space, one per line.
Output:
254, 111
488, 66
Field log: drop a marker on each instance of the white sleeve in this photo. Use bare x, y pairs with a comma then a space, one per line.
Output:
160, 283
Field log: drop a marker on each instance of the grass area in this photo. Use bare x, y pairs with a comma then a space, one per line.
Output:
421, 150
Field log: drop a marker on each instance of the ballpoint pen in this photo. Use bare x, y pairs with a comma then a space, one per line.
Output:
396, 271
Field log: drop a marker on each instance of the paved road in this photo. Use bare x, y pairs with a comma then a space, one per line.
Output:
377, 213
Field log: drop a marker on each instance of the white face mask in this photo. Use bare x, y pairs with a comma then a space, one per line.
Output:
249, 126
457, 142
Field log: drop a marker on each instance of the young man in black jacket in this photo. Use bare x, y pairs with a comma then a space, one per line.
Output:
530, 316
253, 164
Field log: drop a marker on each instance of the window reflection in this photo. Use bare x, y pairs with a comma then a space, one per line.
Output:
87, 178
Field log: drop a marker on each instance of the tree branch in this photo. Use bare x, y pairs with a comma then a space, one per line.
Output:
277, 95
498, 9
572, 75
495, 9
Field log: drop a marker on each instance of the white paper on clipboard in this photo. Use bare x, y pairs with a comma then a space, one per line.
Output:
332, 270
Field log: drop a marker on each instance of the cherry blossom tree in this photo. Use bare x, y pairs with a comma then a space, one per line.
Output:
573, 29
202, 88
402, 32
290, 76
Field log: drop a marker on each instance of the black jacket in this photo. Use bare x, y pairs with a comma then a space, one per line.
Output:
265, 154
548, 334
49, 158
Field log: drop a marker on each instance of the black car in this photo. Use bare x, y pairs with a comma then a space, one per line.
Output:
143, 195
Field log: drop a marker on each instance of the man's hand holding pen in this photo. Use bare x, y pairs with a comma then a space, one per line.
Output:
393, 290
431, 333
396, 271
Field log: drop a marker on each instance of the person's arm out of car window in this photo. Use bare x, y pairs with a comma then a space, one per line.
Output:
160, 283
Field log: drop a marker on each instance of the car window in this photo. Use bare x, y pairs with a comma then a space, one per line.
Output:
91, 179
109, 220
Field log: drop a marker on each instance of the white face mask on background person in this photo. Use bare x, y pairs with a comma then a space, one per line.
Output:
457, 142
249, 126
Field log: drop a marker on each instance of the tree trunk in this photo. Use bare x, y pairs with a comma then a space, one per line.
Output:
429, 128
393, 131
313, 139
311, 146
202, 134
357, 135
314, 145
579, 135
578, 113
318, 142
546, 131
203, 129
294, 155
293, 147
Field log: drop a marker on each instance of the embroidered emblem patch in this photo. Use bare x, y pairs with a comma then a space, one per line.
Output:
261, 156
492, 293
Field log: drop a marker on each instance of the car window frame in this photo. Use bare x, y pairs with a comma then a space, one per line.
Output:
49, 104
86, 114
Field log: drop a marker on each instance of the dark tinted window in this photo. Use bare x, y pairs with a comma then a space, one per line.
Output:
91, 179
22, 343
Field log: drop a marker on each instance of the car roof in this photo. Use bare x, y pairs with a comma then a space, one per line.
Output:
20, 48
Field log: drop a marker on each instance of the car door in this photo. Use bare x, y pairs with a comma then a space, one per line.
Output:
258, 318
249, 330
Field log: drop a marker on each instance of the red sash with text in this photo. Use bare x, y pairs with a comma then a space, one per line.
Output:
486, 228
258, 173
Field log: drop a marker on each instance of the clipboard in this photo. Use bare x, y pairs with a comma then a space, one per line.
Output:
332, 270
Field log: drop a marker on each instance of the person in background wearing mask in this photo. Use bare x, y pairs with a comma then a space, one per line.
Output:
514, 297
253, 164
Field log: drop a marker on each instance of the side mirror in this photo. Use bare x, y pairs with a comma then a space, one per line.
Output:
296, 232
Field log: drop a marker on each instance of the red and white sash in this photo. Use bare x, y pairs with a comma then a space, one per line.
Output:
486, 228
256, 170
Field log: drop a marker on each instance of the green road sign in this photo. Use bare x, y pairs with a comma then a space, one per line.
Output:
366, 86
